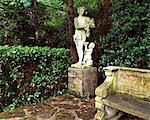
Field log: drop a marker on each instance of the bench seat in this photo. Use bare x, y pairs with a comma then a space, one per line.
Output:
129, 104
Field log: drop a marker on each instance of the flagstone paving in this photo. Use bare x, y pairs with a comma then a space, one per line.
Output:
63, 107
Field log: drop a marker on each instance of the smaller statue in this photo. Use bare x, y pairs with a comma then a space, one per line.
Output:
87, 60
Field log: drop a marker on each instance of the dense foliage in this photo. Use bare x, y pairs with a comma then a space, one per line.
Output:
90, 4
31, 74
128, 42
24, 24
39, 22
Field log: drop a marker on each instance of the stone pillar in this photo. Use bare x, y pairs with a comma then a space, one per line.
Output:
82, 82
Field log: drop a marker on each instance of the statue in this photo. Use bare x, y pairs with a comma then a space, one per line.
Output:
82, 30
87, 60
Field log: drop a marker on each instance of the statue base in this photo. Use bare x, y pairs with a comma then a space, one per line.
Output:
82, 82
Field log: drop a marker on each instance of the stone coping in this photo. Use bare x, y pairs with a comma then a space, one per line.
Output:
115, 68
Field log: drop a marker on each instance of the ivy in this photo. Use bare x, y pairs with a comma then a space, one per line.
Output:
127, 43
31, 74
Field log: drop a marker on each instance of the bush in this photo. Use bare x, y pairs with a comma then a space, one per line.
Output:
38, 25
31, 74
127, 43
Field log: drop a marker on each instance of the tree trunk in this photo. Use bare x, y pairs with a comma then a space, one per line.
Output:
101, 30
73, 52
107, 13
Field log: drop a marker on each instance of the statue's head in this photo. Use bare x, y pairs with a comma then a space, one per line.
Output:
81, 10
92, 45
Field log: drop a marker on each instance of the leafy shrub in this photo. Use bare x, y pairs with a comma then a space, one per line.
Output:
31, 74
127, 43
36, 25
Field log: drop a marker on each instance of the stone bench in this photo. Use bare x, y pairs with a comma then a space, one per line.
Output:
124, 89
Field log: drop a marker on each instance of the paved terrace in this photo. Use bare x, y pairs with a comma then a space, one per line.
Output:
63, 107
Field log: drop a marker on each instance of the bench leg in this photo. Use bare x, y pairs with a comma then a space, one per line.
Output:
100, 115
112, 114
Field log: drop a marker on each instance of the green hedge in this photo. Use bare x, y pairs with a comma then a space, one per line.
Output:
31, 74
128, 42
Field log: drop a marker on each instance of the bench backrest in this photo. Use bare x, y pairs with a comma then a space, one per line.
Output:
133, 81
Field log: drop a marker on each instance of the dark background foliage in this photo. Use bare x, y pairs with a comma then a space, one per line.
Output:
128, 42
32, 26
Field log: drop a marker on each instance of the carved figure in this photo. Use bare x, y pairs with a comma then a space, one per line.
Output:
87, 60
82, 30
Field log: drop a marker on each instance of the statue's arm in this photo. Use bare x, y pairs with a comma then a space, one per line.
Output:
85, 44
92, 23
76, 23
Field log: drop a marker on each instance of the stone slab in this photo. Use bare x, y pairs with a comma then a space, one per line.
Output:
129, 104
82, 82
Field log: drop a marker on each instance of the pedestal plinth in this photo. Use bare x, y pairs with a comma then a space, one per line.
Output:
82, 82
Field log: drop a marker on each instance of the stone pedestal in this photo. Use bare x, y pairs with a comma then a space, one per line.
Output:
82, 82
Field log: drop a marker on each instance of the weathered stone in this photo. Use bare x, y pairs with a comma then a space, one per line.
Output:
134, 82
118, 91
46, 113
63, 114
99, 105
82, 82
67, 106
110, 112
86, 113
100, 115
129, 104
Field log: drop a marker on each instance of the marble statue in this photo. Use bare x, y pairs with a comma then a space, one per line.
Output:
87, 60
82, 31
